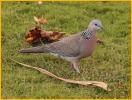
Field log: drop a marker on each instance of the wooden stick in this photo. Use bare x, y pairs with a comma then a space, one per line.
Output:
84, 83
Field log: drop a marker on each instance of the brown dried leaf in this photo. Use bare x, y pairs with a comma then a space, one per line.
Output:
52, 36
84, 83
29, 40
35, 34
100, 42
40, 20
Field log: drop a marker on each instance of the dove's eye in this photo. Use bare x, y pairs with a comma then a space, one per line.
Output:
96, 25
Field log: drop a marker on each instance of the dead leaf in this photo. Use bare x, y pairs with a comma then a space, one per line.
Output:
52, 36
35, 34
100, 41
40, 20
84, 83
30, 39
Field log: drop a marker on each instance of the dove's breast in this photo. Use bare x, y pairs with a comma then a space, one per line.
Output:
87, 46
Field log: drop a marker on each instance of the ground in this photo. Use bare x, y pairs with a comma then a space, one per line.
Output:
109, 62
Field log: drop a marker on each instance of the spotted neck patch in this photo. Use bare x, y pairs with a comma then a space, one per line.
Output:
86, 34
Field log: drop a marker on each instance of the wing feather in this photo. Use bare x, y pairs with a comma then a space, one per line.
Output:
67, 47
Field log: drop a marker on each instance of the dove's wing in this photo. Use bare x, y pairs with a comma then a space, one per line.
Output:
69, 47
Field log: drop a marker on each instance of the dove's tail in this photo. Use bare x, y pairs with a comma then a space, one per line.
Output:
39, 49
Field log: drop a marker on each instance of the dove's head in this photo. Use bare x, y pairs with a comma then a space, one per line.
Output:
95, 25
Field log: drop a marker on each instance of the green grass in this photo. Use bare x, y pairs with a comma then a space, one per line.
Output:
109, 63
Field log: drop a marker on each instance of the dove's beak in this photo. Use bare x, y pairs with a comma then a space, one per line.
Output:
101, 27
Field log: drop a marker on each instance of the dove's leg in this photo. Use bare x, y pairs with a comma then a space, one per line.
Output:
71, 65
74, 63
75, 66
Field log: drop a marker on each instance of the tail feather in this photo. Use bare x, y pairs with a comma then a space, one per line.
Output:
39, 49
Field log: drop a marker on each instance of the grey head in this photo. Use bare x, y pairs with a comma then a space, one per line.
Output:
95, 25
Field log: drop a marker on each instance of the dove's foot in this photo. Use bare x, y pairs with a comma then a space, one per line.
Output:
75, 68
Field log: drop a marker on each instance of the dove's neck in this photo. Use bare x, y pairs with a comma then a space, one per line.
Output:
87, 34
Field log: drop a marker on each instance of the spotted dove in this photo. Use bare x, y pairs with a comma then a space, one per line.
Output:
72, 48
